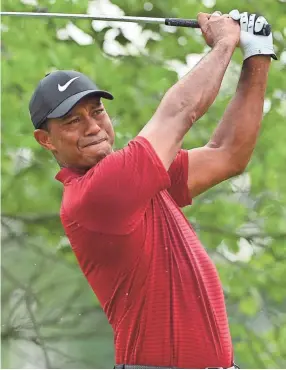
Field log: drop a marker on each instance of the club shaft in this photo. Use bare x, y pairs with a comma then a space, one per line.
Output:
174, 21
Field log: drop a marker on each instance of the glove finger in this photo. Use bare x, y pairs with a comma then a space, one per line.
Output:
251, 20
235, 15
244, 21
260, 22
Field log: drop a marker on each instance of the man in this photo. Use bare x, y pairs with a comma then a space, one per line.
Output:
121, 210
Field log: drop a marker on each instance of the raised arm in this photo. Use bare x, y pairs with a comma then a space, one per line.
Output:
190, 97
230, 147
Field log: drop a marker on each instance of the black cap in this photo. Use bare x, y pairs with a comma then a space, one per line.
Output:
58, 92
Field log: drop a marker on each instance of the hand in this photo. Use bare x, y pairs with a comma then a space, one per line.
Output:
251, 44
217, 27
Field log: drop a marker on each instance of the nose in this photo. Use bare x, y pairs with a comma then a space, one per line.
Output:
92, 127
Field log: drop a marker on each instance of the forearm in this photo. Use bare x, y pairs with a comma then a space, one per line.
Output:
191, 96
239, 128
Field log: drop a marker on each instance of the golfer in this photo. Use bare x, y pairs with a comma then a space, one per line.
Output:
121, 210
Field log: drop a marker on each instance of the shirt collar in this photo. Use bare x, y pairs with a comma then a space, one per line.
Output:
66, 175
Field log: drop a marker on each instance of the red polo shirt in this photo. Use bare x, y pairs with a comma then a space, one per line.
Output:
155, 282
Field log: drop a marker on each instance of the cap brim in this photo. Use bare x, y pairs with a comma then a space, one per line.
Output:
70, 102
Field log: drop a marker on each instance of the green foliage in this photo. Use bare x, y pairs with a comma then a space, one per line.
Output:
48, 311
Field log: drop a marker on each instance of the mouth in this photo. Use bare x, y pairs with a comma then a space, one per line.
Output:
96, 142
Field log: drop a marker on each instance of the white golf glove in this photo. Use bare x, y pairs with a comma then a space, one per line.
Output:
250, 42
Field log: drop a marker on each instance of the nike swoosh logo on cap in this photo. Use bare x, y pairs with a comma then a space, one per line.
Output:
65, 86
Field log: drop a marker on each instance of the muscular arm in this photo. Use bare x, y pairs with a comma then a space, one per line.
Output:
186, 102
239, 127
229, 149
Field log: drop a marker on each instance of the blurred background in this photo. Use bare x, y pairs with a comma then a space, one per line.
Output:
50, 317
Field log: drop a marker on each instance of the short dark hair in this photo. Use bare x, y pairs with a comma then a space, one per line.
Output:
45, 125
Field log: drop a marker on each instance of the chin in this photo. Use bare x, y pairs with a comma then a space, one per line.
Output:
93, 154
100, 155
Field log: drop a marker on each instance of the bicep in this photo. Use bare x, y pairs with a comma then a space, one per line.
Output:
208, 167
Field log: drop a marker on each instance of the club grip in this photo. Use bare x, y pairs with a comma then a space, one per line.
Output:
182, 22
192, 23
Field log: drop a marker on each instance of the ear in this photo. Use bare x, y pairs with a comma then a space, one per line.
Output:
44, 139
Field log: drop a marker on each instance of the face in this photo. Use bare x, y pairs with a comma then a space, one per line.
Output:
81, 138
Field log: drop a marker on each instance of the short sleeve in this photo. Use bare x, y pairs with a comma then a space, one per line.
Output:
112, 197
178, 173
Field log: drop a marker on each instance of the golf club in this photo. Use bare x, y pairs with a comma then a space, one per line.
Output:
179, 22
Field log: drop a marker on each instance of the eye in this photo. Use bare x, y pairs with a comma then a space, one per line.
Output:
96, 112
74, 120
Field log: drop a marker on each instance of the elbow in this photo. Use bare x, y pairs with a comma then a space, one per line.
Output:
239, 171
191, 118
237, 168
235, 163
237, 160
